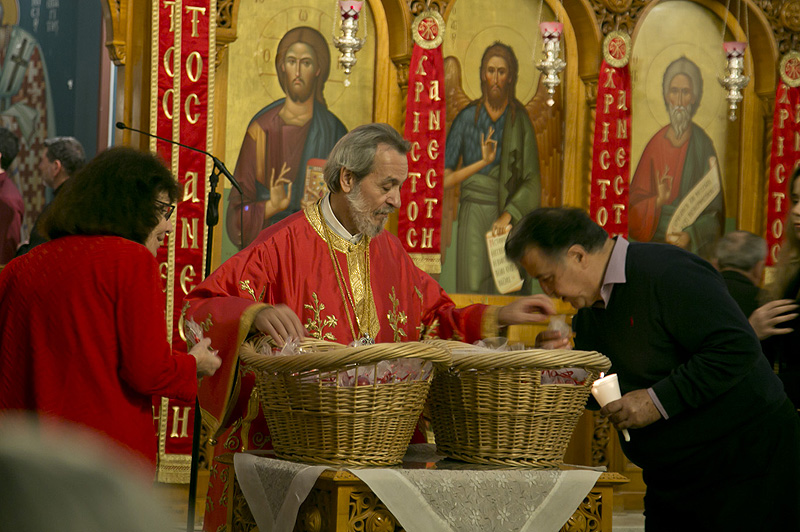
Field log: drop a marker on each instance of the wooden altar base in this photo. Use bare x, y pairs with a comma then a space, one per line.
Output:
341, 502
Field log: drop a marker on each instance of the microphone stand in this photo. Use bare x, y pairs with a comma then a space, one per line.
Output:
212, 218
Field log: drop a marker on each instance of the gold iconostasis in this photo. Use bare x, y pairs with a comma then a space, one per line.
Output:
279, 58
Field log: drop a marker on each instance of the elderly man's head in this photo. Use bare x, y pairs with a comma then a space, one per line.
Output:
368, 166
741, 251
683, 90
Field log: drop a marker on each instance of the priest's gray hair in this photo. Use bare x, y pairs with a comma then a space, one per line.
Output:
356, 152
741, 250
684, 66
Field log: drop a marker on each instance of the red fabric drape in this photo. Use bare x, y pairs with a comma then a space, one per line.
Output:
183, 62
420, 218
784, 156
611, 150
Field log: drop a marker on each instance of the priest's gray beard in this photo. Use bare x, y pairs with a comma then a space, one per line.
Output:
680, 117
365, 219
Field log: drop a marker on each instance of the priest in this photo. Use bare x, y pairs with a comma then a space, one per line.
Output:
331, 272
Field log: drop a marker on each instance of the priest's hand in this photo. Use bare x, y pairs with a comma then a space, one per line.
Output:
634, 411
766, 318
280, 322
530, 309
207, 360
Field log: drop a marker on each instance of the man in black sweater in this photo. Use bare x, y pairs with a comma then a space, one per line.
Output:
711, 427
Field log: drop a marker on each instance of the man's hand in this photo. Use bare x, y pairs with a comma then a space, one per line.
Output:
280, 322
552, 340
207, 361
530, 309
765, 318
634, 411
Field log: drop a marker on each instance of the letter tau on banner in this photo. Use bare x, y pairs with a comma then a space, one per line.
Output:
612, 145
425, 107
181, 109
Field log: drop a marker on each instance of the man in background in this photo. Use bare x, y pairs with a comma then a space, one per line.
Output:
282, 137
61, 158
11, 205
740, 256
710, 424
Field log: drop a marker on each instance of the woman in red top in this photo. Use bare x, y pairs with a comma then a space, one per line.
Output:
84, 337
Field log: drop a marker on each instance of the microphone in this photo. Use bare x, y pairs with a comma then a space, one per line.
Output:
217, 163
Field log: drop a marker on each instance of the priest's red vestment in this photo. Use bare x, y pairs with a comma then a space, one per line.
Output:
290, 263
84, 339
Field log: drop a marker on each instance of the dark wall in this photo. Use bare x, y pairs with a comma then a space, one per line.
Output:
69, 33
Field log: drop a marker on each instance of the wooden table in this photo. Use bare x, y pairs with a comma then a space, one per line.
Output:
340, 502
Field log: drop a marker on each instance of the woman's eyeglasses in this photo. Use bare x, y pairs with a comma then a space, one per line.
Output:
165, 209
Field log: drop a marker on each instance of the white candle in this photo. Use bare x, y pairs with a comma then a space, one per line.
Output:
606, 390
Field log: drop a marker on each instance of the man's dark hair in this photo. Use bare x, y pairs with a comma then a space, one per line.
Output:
115, 194
68, 150
9, 147
356, 152
552, 230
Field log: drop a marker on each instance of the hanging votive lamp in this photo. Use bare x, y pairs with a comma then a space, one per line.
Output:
552, 64
345, 37
734, 79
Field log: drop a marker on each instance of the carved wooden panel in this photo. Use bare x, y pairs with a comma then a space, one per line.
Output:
116, 14
784, 17
369, 514
589, 515
617, 14
418, 6
315, 513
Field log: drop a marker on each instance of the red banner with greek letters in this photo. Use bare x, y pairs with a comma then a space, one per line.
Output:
420, 218
611, 159
182, 66
784, 157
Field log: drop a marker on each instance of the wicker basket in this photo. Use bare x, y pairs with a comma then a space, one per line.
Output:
491, 408
322, 422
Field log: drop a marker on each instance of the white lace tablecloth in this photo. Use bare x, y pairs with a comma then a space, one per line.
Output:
425, 500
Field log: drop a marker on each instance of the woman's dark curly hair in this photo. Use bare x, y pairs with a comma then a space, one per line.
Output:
115, 194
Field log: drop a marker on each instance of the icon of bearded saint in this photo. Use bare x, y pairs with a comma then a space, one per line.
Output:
674, 161
26, 107
514, 149
287, 141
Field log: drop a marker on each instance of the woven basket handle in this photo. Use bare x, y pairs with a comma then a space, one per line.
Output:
339, 356
472, 357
